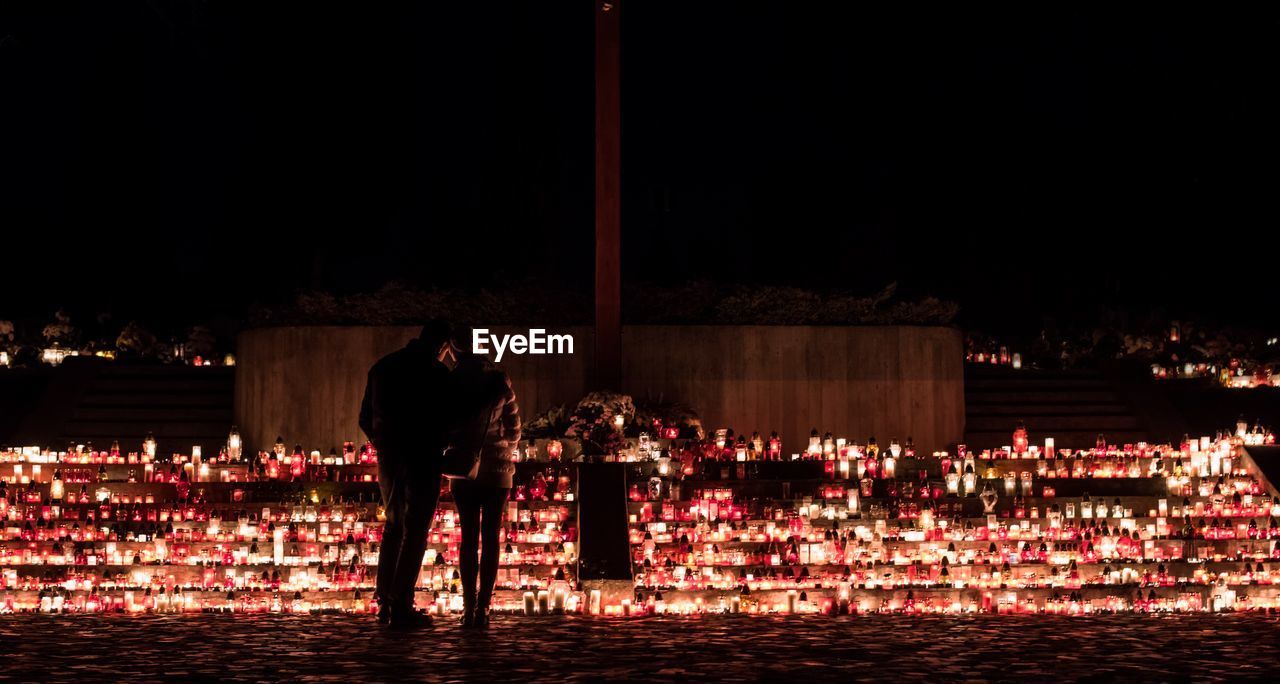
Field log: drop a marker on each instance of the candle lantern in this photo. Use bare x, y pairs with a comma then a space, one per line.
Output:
953, 481
56, 490
988, 499
1020, 440
149, 446
234, 444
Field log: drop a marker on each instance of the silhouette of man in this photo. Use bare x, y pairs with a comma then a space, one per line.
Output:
406, 413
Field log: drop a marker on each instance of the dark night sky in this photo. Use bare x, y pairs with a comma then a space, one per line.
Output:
198, 156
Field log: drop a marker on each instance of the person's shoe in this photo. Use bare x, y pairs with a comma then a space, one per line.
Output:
384, 614
481, 619
468, 619
410, 618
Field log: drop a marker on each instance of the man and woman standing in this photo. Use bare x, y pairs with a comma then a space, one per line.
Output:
415, 407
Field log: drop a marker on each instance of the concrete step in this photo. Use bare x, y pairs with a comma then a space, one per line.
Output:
144, 400
161, 385
158, 413
990, 439
101, 402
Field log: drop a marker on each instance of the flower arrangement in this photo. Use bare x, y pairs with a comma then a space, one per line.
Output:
658, 417
550, 424
599, 421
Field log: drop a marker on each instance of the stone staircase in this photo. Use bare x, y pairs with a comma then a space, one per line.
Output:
99, 402
1073, 407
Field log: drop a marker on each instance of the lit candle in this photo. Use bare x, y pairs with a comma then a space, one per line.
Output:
528, 603
278, 546
544, 602
593, 603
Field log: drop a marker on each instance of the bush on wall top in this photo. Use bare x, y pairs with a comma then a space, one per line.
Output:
692, 303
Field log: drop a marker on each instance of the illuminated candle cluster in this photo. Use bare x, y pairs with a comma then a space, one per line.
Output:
728, 524
1235, 374
85, 530
846, 527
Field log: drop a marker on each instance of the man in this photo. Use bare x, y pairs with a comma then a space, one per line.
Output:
406, 413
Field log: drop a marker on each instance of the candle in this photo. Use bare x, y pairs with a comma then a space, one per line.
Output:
544, 602
593, 603
557, 601
793, 598
278, 546
529, 608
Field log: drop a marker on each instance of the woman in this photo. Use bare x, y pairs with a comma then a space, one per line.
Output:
491, 427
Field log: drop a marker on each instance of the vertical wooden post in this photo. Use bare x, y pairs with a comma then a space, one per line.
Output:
608, 351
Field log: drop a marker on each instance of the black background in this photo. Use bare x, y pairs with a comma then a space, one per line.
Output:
179, 160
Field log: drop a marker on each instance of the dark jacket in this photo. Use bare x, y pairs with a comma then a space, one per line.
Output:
491, 424
406, 407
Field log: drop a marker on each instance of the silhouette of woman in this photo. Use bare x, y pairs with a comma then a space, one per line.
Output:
491, 427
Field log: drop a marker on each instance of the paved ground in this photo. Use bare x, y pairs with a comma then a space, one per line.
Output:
719, 648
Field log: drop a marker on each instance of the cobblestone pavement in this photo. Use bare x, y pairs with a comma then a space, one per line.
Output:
709, 648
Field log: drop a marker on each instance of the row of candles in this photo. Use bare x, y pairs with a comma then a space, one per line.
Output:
793, 602
1051, 548
1234, 375
110, 530
870, 525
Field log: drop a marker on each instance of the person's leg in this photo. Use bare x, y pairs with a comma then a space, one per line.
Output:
468, 502
422, 491
495, 501
391, 484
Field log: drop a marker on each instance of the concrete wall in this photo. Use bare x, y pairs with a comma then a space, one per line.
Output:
305, 383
